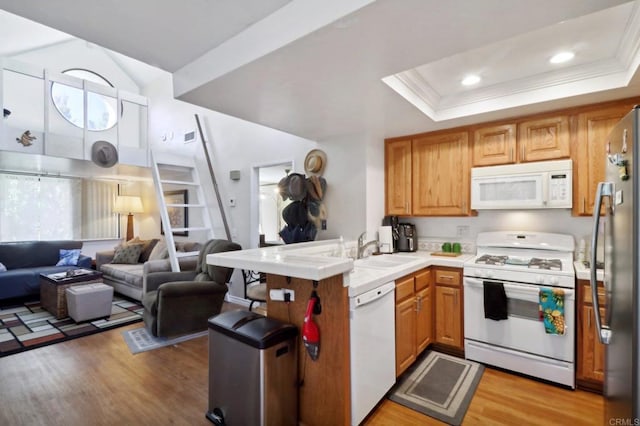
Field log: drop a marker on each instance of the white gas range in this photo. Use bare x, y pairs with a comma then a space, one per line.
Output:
503, 287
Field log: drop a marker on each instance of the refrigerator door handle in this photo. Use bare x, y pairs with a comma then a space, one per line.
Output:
605, 189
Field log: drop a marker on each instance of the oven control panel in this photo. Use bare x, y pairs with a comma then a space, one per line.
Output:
548, 279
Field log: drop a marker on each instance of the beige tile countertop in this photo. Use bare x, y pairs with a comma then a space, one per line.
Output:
318, 260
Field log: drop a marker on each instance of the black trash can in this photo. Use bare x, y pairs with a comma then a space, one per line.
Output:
253, 377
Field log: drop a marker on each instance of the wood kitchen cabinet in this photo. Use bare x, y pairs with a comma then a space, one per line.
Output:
530, 140
494, 145
544, 139
590, 366
590, 154
414, 317
449, 307
441, 175
398, 177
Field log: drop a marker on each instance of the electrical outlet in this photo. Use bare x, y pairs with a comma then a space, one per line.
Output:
232, 202
462, 231
278, 294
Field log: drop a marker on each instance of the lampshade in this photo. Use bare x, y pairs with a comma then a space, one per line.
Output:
126, 204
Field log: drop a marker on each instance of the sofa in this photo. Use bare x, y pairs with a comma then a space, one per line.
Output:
128, 276
25, 261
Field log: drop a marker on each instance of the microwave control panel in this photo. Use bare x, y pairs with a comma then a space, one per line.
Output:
560, 193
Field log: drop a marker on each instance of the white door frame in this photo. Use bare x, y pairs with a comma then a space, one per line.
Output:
254, 208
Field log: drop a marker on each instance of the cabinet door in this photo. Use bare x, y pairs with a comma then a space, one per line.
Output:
544, 139
397, 177
593, 130
424, 319
441, 169
494, 145
405, 334
448, 316
592, 350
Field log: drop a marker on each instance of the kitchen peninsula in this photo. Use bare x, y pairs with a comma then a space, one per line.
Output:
324, 393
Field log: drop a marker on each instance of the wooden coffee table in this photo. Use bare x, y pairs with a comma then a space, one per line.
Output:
53, 286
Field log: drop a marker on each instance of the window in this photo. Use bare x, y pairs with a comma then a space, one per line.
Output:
55, 208
69, 101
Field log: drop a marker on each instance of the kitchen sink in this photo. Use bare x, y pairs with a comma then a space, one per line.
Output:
384, 261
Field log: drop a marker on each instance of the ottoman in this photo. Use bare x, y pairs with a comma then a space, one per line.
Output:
90, 301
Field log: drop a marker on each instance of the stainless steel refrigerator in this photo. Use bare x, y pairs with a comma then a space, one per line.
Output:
619, 233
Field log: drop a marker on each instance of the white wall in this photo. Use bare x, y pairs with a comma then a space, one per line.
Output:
233, 144
80, 54
345, 197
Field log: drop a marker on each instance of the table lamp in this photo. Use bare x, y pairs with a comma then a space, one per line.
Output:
128, 204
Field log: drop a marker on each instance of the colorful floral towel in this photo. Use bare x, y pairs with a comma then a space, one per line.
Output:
552, 310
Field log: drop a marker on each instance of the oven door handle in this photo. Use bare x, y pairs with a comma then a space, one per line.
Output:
532, 291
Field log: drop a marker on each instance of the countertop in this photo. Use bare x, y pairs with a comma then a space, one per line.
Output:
317, 260
584, 273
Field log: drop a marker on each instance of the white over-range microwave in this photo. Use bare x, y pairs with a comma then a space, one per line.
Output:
537, 185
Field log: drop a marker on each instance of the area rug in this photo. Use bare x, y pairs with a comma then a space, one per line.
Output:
29, 326
140, 340
440, 386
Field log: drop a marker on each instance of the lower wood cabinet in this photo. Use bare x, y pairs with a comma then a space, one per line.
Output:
414, 317
449, 307
590, 364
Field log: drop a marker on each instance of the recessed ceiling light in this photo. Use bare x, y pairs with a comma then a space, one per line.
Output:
470, 80
561, 57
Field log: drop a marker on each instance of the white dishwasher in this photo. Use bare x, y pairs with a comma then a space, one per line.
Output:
373, 348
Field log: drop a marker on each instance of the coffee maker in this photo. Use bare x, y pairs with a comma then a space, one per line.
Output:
407, 237
388, 234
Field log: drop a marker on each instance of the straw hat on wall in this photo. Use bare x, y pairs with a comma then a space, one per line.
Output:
315, 162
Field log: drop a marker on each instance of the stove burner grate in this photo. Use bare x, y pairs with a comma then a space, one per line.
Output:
489, 259
552, 264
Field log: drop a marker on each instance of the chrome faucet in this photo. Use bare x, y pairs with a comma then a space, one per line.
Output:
362, 246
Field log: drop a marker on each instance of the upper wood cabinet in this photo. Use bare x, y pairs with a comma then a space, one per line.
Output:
398, 177
544, 139
440, 178
429, 174
494, 145
535, 140
590, 154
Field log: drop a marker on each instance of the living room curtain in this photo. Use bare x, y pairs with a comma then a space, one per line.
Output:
98, 219
39, 208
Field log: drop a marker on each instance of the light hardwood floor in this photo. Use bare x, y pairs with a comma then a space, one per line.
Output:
95, 380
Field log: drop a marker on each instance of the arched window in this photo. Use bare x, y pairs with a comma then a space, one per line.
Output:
102, 110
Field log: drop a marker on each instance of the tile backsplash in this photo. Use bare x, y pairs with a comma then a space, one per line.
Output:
435, 244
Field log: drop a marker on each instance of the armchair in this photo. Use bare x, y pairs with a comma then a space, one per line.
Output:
182, 302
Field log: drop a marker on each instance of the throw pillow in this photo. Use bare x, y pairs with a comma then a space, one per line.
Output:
2, 268
128, 254
68, 257
159, 251
147, 248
